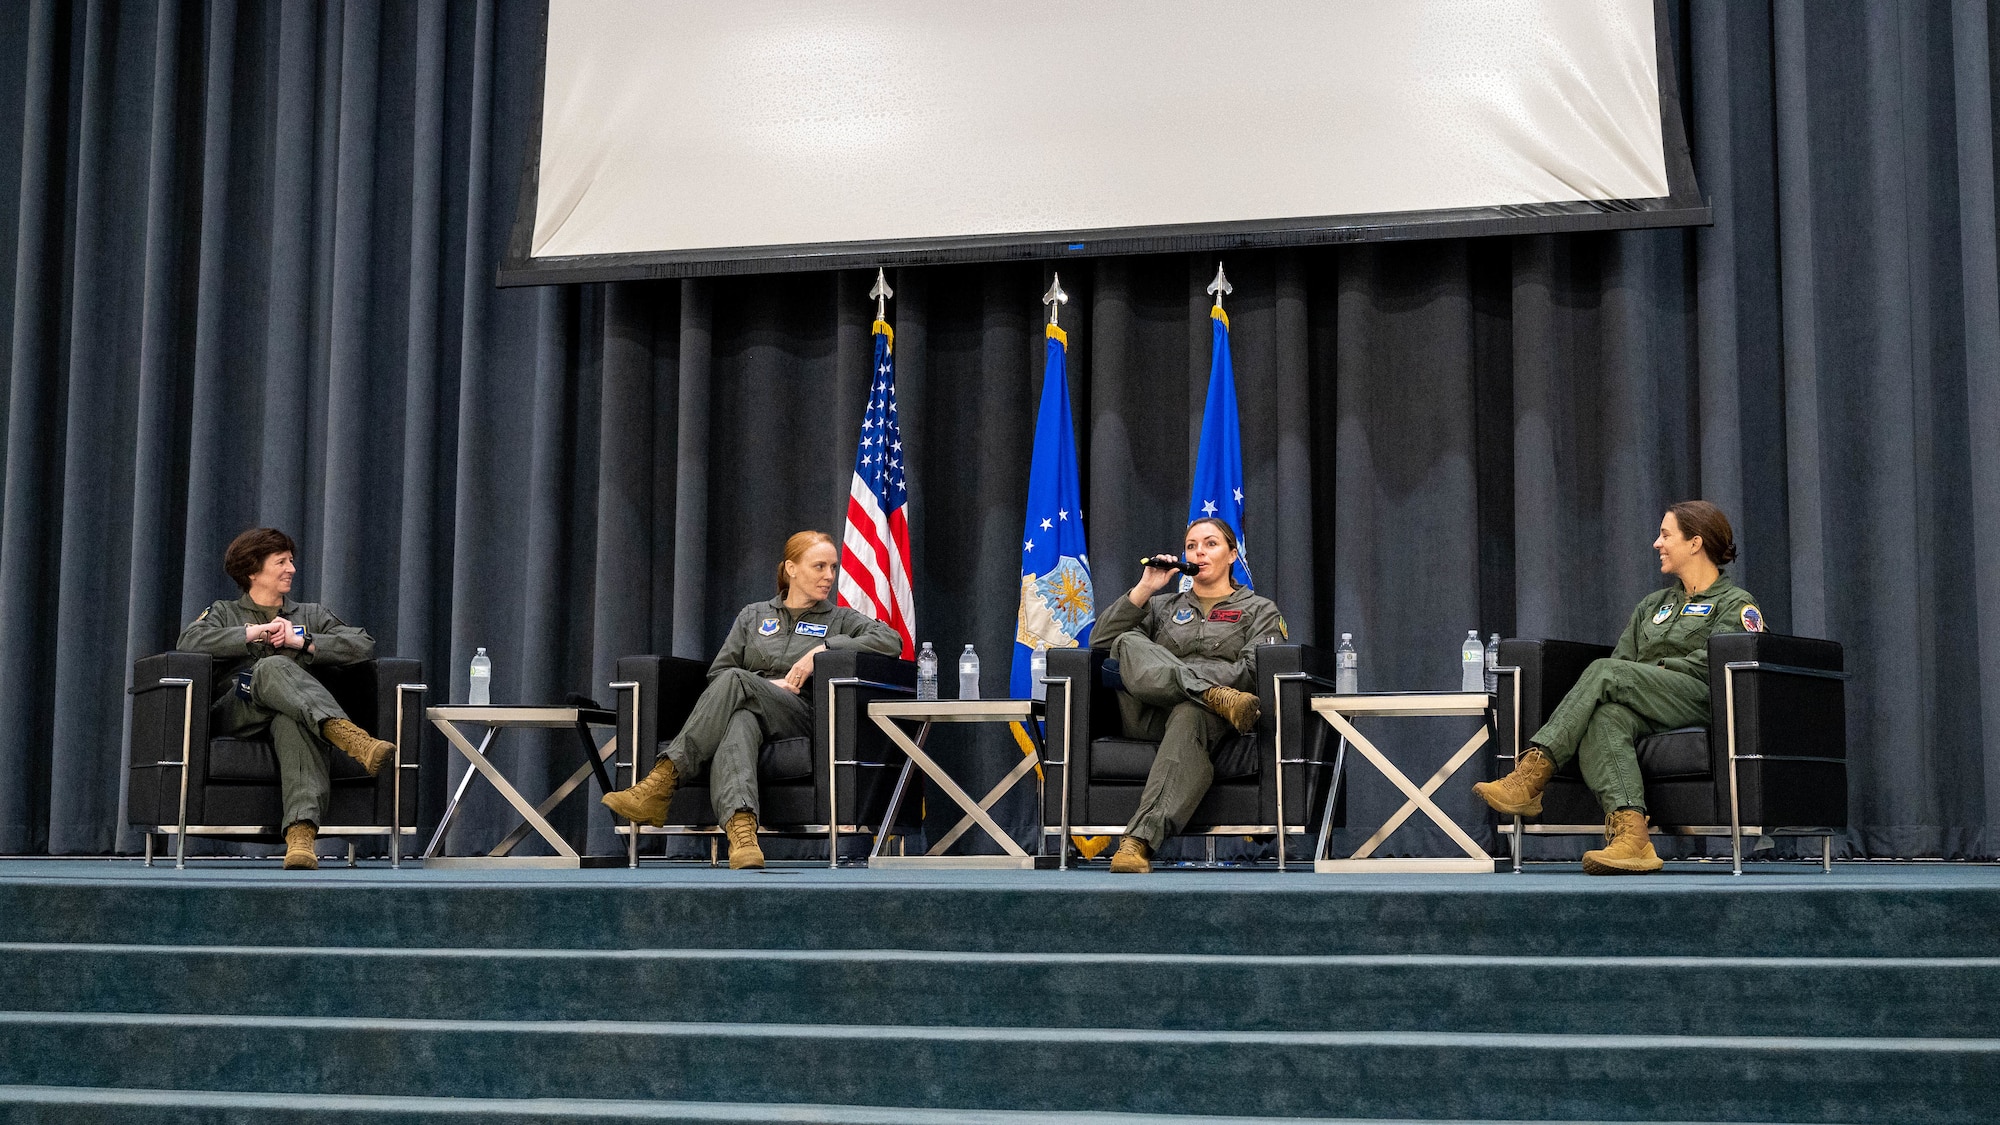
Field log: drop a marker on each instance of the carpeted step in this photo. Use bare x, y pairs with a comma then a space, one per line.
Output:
59, 1105
1264, 915
1292, 1074
1865, 997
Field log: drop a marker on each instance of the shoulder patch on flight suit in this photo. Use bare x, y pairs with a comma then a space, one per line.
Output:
1700, 609
205, 613
808, 629
1665, 611
768, 627
1282, 630
1753, 622
1183, 615
1226, 616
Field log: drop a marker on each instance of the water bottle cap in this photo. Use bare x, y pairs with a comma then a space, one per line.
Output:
927, 646
482, 652
1472, 634
968, 648
1347, 636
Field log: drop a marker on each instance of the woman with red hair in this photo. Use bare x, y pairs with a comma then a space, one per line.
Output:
753, 694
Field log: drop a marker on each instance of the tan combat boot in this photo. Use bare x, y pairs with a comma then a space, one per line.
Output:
1628, 850
1132, 857
1239, 707
358, 744
646, 802
299, 855
1520, 792
741, 829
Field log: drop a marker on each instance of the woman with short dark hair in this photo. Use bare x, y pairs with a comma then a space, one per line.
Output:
1655, 680
1188, 664
754, 693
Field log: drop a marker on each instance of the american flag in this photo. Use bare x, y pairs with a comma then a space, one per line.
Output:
875, 548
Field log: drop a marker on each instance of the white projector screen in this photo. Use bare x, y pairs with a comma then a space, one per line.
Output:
705, 136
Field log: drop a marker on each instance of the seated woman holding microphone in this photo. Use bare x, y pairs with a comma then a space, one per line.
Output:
1189, 667
754, 693
1656, 679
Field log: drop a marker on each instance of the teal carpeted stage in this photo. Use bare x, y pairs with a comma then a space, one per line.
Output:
233, 992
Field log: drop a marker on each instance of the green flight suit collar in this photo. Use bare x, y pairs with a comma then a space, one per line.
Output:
1714, 589
823, 606
287, 609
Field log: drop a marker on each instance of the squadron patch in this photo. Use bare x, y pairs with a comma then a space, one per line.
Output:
768, 627
1183, 615
1665, 611
1282, 630
1701, 610
1753, 622
1226, 616
808, 629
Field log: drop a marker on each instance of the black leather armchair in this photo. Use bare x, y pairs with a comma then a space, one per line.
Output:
185, 783
838, 781
1772, 760
1273, 781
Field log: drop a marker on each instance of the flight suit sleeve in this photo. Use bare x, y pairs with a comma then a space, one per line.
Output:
217, 632
1119, 618
857, 630
335, 642
731, 655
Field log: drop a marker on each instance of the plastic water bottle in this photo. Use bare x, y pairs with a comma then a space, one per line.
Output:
1493, 664
927, 673
1472, 663
1038, 666
968, 674
1346, 667
482, 680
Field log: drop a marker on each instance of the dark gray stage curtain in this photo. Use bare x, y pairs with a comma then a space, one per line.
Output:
248, 281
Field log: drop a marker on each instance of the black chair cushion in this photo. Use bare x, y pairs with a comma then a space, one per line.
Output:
785, 759
248, 759
1130, 759
1675, 753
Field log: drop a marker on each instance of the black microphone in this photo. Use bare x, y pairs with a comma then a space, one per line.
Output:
1169, 562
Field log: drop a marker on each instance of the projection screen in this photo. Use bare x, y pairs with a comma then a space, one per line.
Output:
686, 137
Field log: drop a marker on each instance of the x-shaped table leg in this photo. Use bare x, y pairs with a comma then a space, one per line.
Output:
1028, 762
974, 812
555, 798
1418, 798
530, 814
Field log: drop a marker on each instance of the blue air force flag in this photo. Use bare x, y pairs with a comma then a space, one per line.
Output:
1057, 605
1218, 468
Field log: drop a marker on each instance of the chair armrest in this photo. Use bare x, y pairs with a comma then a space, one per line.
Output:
667, 687
1790, 697
1074, 717
844, 682
1288, 675
157, 723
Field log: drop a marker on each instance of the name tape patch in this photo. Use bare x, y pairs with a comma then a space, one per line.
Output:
1226, 616
1701, 610
808, 629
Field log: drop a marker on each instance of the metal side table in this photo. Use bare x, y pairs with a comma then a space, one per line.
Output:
533, 817
1340, 711
887, 713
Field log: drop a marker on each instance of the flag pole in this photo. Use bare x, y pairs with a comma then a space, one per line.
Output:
1055, 298
881, 292
1220, 285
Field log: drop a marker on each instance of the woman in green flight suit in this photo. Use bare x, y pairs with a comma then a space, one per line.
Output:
1188, 662
1655, 680
753, 694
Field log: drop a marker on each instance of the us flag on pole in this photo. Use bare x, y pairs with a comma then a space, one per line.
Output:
875, 548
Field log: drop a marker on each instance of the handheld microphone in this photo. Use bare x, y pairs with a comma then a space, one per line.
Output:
1169, 562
